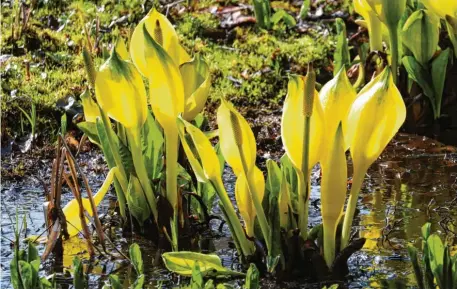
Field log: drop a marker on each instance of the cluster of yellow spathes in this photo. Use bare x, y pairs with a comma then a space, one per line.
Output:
365, 123
178, 85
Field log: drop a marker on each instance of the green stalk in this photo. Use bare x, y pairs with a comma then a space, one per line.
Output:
171, 157
375, 34
329, 244
238, 232
303, 181
133, 136
393, 33
357, 181
260, 213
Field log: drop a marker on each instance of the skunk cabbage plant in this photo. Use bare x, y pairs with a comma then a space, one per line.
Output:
375, 117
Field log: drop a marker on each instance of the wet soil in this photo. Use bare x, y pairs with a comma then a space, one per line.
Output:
414, 181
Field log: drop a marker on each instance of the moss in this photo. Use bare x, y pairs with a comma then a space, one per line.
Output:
248, 66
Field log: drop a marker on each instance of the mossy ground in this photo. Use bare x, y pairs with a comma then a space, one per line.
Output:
249, 65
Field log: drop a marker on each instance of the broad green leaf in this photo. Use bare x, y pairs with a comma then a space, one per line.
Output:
90, 129
439, 68
420, 76
426, 231
274, 179
137, 201
26, 273
412, 252
436, 255
153, 142
421, 35
14, 271
252, 278
135, 257
274, 254
183, 263
341, 55
32, 253
292, 181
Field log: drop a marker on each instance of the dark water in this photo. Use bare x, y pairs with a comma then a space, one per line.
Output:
413, 182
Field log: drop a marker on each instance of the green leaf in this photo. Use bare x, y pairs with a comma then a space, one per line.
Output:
78, 274
15, 272
292, 181
63, 124
252, 278
32, 253
439, 67
139, 282
114, 281
436, 255
341, 56
135, 257
26, 274
420, 76
90, 129
126, 155
183, 263
282, 15
197, 279
152, 139
209, 284
412, 252
426, 231
137, 201
304, 9
275, 235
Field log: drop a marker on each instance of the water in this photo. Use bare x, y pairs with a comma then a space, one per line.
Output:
413, 182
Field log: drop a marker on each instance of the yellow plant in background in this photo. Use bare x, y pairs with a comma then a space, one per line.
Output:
375, 117
374, 25
206, 167
390, 13
302, 130
238, 146
447, 10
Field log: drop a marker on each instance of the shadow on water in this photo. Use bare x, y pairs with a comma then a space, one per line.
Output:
413, 182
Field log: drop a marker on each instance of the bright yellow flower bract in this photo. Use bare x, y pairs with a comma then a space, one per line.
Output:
195, 74
244, 200
236, 139
293, 124
120, 91
375, 117
442, 8
71, 210
166, 90
337, 97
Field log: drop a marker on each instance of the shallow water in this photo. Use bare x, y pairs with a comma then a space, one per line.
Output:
397, 194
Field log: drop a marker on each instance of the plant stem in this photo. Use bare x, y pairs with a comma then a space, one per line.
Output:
171, 159
117, 157
260, 212
238, 232
303, 183
393, 33
133, 136
329, 243
357, 181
